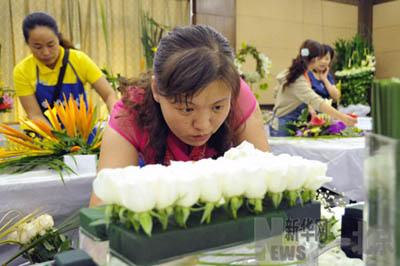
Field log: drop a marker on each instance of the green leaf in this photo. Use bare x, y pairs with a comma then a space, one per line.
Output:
305, 195
207, 212
65, 245
134, 220
163, 218
291, 196
276, 198
108, 214
48, 246
258, 206
264, 86
235, 203
146, 222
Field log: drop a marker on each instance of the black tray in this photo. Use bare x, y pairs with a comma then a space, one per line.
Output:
222, 232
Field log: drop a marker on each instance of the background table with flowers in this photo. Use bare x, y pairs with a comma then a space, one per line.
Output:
344, 156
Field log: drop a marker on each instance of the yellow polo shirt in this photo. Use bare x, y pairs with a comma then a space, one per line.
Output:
25, 72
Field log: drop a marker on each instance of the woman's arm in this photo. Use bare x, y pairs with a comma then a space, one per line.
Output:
32, 108
116, 152
346, 119
253, 131
332, 90
106, 92
311, 111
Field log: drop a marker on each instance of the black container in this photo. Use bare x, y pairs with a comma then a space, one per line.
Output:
352, 231
140, 249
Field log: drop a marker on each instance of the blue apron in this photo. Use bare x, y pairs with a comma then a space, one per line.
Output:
318, 85
290, 117
44, 92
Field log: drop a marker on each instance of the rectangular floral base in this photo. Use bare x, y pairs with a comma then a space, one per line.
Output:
88, 216
223, 231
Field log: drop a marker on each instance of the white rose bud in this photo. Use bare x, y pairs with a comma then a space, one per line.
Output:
13, 236
46, 221
24, 237
31, 230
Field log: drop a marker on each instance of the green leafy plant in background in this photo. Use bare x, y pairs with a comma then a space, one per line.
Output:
152, 32
354, 69
113, 80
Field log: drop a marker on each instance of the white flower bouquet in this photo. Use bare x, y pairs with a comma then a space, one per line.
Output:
244, 177
37, 236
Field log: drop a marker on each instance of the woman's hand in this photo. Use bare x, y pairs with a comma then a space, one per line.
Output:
346, 119
323, 75
349, 120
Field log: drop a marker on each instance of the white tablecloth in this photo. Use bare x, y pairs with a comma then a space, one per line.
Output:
344, 156
43, 188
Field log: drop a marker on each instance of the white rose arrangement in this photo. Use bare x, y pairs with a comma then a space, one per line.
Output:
244, 176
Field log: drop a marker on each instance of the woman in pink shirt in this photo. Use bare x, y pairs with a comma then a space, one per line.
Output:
192, 106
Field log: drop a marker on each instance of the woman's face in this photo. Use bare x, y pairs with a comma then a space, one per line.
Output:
324, 62
314, 63
195, 122
44, 45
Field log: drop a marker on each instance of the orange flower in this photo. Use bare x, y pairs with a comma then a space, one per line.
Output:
75, 149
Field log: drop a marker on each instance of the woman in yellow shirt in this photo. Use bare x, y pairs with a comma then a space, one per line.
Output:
39, 77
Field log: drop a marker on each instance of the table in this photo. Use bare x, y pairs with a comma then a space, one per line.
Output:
344, 156
43, 188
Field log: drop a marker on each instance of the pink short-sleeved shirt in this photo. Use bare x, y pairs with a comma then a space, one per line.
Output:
127, 127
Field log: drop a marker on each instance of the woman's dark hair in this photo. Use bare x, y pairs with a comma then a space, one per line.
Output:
308, 51
43, 19
187, 60
328, 49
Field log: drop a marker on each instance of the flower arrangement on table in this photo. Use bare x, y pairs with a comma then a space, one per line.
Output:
244, 177
321, 125
263, 66
73, 131
36, 234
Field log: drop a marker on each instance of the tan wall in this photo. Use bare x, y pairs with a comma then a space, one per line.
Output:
278, 27
386, 35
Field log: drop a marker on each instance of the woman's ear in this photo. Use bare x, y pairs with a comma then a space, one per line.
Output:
156, 96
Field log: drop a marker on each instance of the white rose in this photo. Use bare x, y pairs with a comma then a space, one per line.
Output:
137, 194
24, 237
256, 184
296, 174
108, 184
232, 174
210, 182
13, 236
164, 187
31, 230
187, 183
274, 172
45, 221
